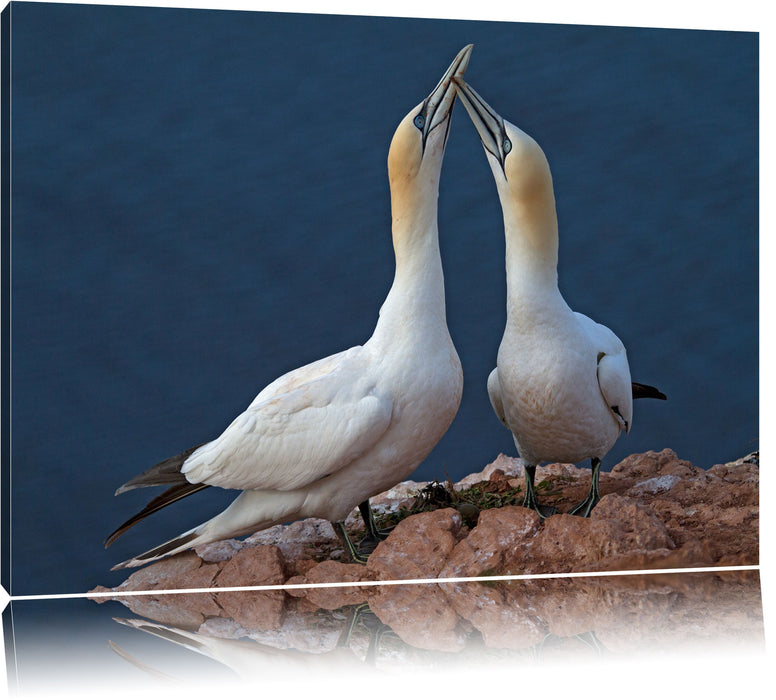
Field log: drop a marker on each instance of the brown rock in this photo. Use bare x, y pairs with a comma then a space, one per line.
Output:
187, 611
253, 566
650, 464
184, 570
331, 598
297, 540
570, 543
498, 533
417, 547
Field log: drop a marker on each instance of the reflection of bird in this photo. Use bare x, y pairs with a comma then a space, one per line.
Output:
562, 383
253, 660
325, 437
248, 659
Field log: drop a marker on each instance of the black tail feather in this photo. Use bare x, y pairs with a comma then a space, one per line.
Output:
167, 547
174, 493
167, 471
644, 391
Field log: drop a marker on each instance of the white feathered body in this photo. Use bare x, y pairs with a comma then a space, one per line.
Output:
325, 437
555, 393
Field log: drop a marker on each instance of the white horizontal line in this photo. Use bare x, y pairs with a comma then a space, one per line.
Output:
402, 582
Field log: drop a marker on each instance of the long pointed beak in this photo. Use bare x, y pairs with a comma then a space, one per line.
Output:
489, 125
438, 105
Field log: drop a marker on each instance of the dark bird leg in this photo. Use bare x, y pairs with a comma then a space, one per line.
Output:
593, 496
374, 535
350, 549
589, 639
353, 618
530, 494
362, 614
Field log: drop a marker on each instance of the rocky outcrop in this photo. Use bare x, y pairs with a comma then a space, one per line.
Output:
657, 511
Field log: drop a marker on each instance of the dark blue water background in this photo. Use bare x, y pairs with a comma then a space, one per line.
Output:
200, 204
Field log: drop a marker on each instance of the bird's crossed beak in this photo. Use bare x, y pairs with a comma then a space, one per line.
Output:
438, 105
489, 125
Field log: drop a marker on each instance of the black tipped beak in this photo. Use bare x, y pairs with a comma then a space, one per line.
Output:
439, 104
489, 124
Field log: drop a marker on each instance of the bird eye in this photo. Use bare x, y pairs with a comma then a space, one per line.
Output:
420, 121
507, 146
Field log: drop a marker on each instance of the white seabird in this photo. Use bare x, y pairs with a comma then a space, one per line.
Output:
562, 384
323, 438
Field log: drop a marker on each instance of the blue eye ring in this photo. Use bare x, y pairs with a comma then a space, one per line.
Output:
419, 121
507, 146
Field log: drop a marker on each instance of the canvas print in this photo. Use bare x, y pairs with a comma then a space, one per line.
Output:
297, 299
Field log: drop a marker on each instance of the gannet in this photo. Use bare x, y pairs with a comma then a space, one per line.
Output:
562, 383
326, 437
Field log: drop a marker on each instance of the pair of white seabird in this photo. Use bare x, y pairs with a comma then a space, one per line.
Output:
328, 436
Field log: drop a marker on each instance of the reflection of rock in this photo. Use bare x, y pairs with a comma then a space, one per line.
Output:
420, 614
503, 622
656, 511
619, 615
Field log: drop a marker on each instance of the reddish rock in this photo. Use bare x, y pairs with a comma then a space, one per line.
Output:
417, 547
261, 610
649, 464
570, 543
298, 541
184, 570
504, 621
509, 466
499, 532
253, 566
331, 598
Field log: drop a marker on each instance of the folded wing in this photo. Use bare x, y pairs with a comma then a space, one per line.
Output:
292, 439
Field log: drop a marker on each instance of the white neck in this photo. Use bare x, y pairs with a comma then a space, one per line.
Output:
416, 300
531, 234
